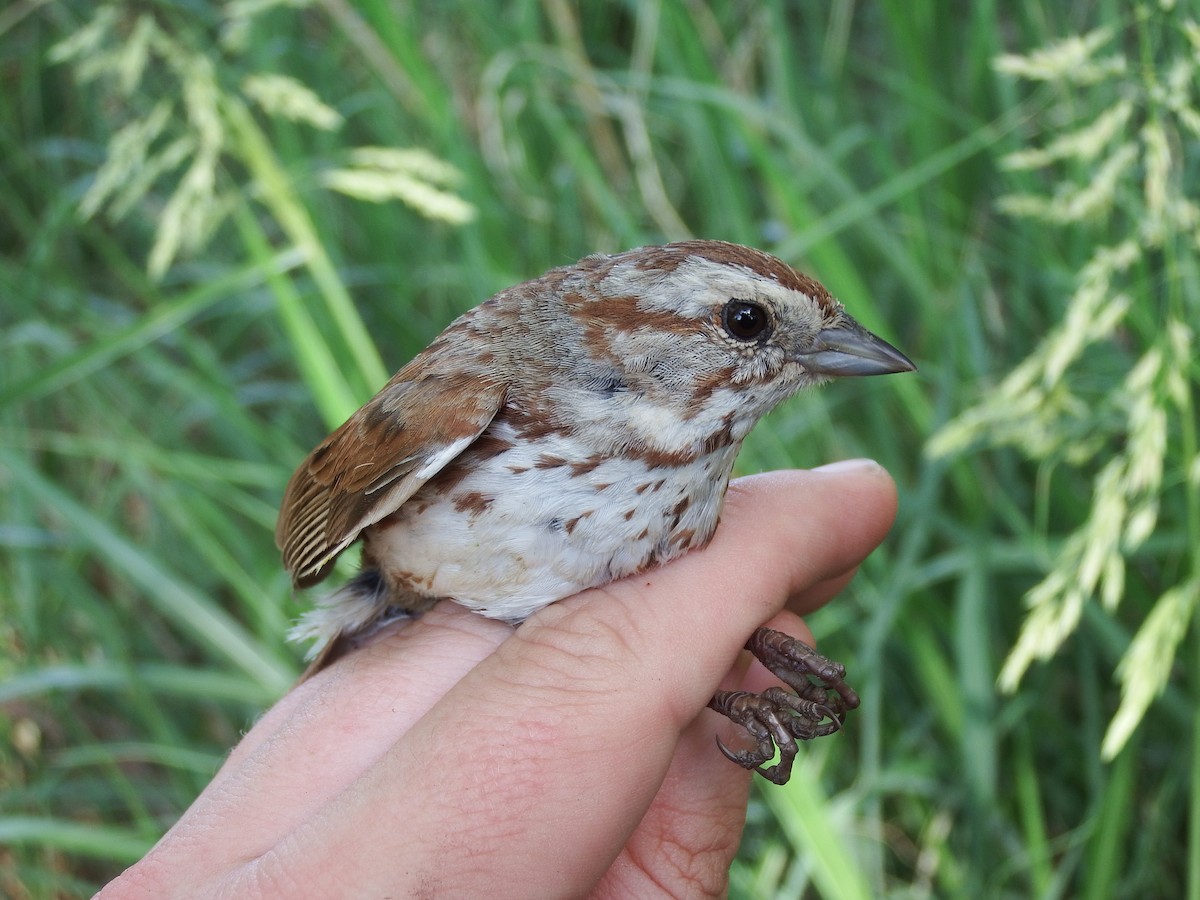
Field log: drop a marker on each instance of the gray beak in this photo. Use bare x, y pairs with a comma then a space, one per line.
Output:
849, 349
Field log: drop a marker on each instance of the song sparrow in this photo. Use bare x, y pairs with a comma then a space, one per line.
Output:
567, 432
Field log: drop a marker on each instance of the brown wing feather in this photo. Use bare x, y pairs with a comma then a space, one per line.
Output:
425, 416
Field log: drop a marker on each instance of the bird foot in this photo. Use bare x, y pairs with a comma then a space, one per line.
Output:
778, 718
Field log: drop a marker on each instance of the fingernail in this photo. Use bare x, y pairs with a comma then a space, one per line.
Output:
849, 465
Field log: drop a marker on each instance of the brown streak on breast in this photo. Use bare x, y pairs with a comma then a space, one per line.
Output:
684, 538
570, 524
533, 424
588, 465
472, 501
652, 457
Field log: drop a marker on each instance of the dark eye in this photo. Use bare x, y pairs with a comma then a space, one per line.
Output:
745, 321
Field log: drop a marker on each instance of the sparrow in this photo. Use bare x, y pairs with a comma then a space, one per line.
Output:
568, 432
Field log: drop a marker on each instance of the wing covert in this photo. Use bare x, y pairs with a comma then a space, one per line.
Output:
378, 459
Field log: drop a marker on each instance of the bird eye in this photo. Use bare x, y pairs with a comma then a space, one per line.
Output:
745, 321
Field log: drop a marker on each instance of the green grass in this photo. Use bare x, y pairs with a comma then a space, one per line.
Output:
148, 424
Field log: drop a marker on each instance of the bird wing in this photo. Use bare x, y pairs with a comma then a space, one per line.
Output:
425, 417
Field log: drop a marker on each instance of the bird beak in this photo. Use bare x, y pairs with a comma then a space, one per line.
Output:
849, 349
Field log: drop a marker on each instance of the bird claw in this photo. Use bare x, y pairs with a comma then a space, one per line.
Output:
777, 718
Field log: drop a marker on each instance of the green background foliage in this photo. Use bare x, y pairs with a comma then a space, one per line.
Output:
221, 225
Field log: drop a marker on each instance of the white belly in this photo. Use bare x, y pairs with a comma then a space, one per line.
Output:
521, 530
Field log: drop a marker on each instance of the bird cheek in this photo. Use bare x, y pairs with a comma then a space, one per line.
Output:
745, 374
765, 366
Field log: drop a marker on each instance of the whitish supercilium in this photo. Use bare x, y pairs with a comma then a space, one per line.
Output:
567, 432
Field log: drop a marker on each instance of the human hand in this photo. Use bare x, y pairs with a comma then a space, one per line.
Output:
573, 755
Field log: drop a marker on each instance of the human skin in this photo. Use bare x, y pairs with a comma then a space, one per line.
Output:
570, 757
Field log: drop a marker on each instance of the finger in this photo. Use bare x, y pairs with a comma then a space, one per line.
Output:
403, 673
687, 839
692, 830
813, 598
323, 734
588, 699
784, 535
